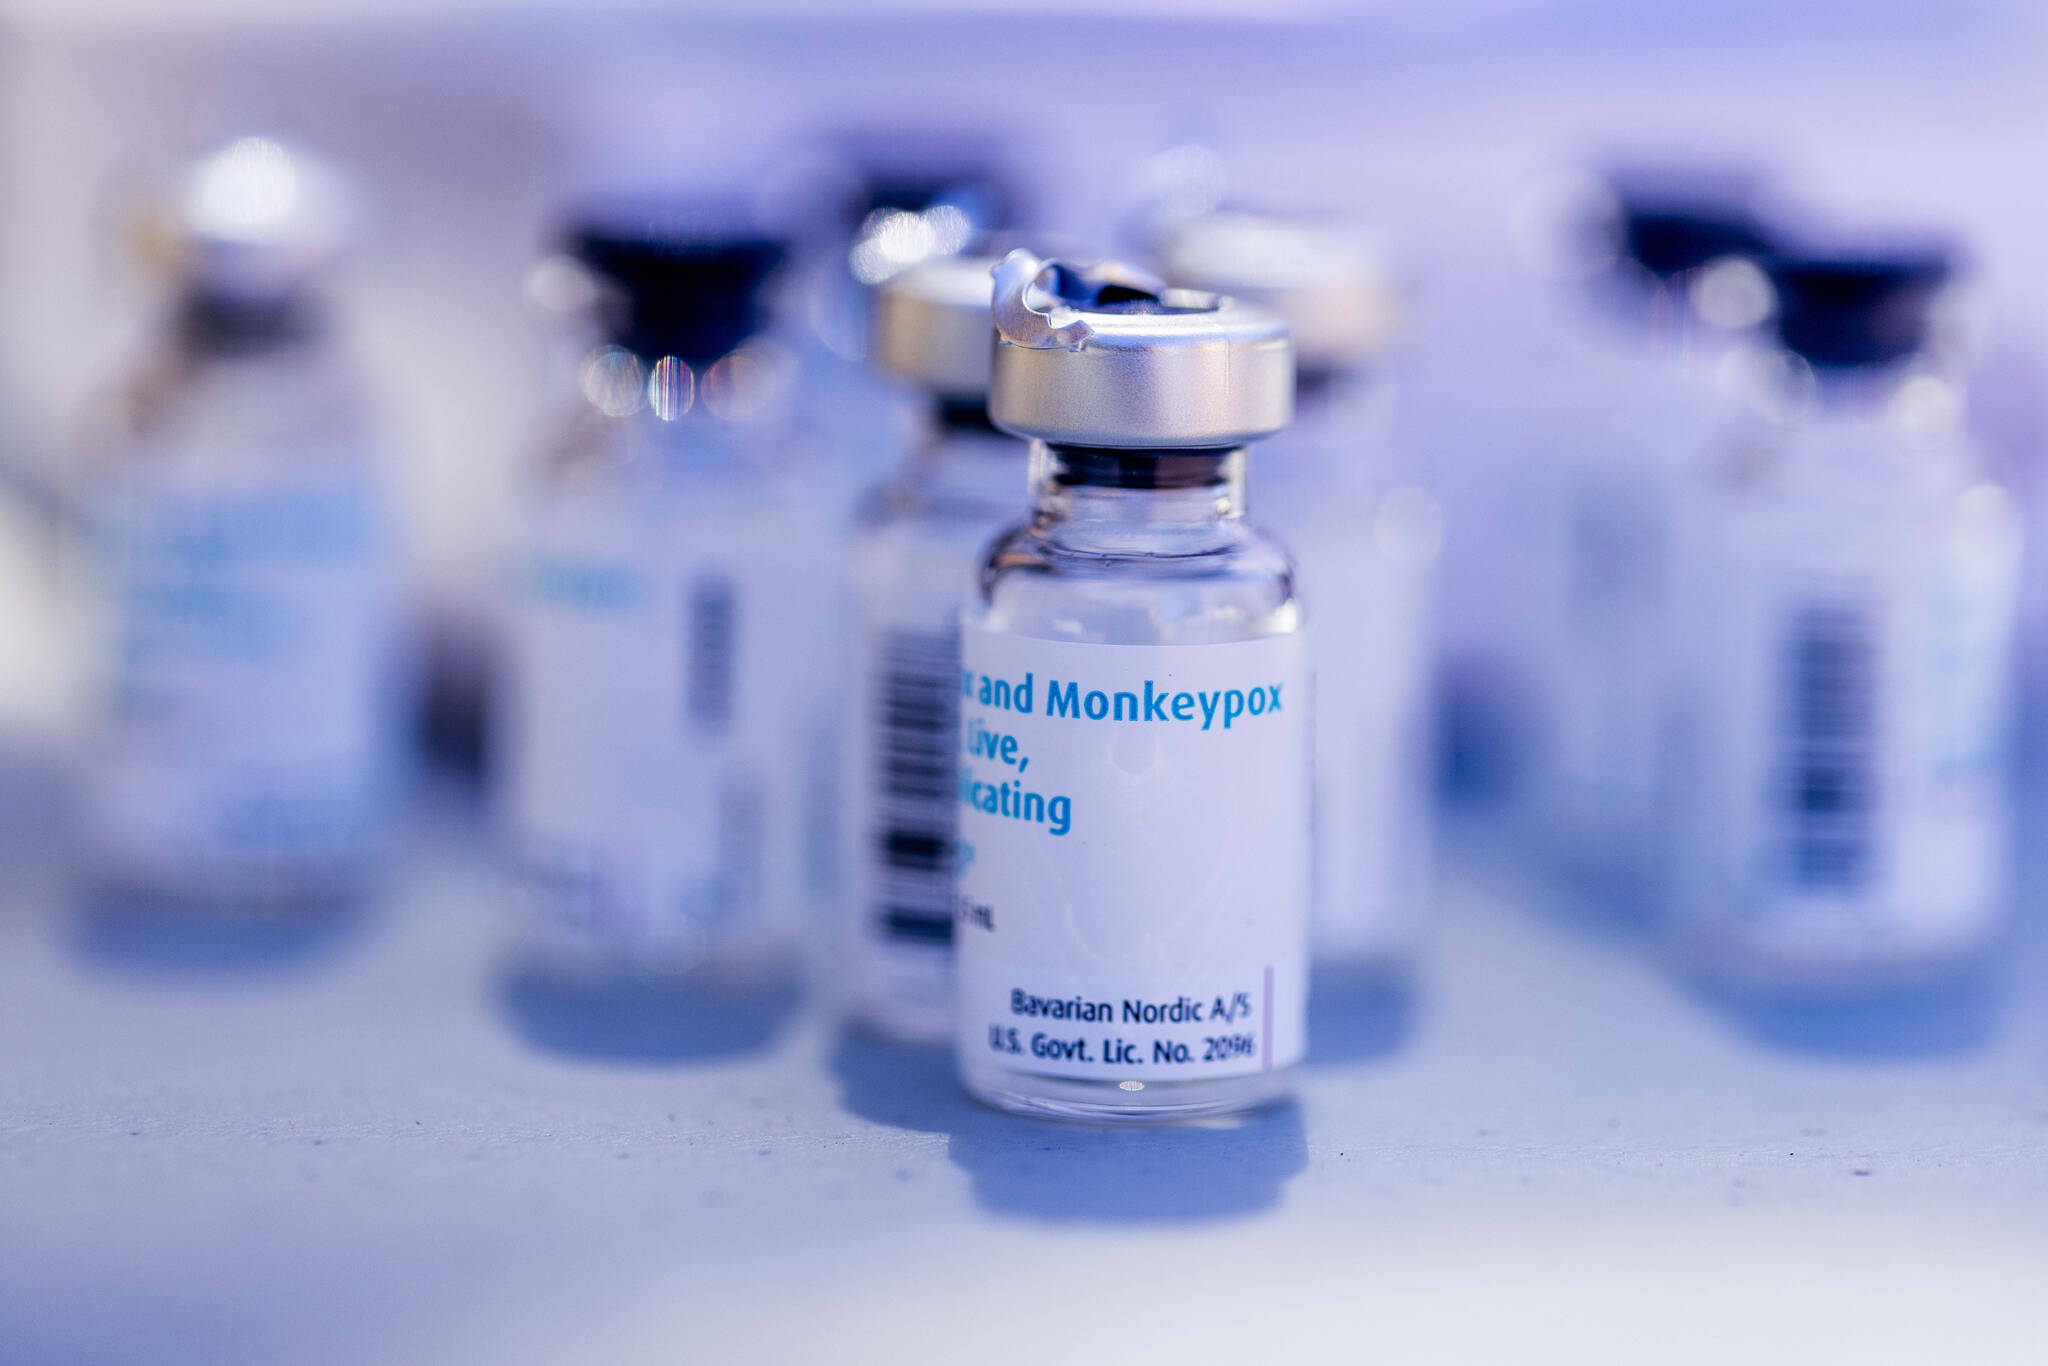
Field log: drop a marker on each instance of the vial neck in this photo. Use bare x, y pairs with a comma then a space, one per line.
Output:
1359, 397
212, 325
1120, 501
1322, 387
964, 419
962, 464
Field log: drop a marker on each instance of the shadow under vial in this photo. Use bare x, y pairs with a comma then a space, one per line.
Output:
615, 1014
1358, 1014
1043, 1169
142, 935
1945, 1019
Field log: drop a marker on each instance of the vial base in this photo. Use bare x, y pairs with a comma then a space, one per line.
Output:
573, 924
249, 892
578, 952
1383, 941
245, 920
1109, 1102
898, 992
613, 1010
1733, 965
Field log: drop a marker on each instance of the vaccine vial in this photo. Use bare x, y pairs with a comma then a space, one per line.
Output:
1680, 294
886, 199
1133, 784
1367, 534
863, 206
1850, 590
915, 552
241, 735
656, 707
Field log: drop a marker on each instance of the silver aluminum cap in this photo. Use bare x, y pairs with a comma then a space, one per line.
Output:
1105, 355
1325, 276
252, 218
932, 327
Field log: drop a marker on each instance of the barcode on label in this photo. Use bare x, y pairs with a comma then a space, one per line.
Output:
1830, 764
712, 612
915, 737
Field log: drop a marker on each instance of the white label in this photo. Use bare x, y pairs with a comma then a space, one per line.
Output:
904, 729
1848, 774
1134, 856
655, 723
245, 651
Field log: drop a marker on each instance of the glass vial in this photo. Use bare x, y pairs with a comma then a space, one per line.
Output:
916, 547
1367, 534
1133, 885
879, 200
653, 723
241, 739
1642, 415
1850, 600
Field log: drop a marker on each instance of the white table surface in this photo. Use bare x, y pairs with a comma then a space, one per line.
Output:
376, 1145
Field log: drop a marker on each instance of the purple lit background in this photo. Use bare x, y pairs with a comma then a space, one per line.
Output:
1541, 1148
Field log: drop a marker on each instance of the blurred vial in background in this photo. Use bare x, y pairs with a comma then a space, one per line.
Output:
663, 644
1633, 417
862, 207
1848, 599
1367, 536
891, 199
1167, 190
916, 549
242, 735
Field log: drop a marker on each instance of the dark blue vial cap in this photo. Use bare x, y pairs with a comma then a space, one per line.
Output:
1848, 309
1675, 219
690, 276
1668, 240
920, 170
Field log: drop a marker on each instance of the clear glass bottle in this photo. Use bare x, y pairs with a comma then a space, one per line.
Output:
242, 734
654, 718
1640, 414
1367, 534
916, 549
1132, 936
897, 197
1850, 588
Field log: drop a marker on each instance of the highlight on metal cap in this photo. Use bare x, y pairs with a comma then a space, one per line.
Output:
1326, 276
252, 218
932, 326
1108, 356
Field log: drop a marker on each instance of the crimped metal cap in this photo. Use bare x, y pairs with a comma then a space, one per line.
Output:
252, 218
1325, 276
931, 326
1108, 356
